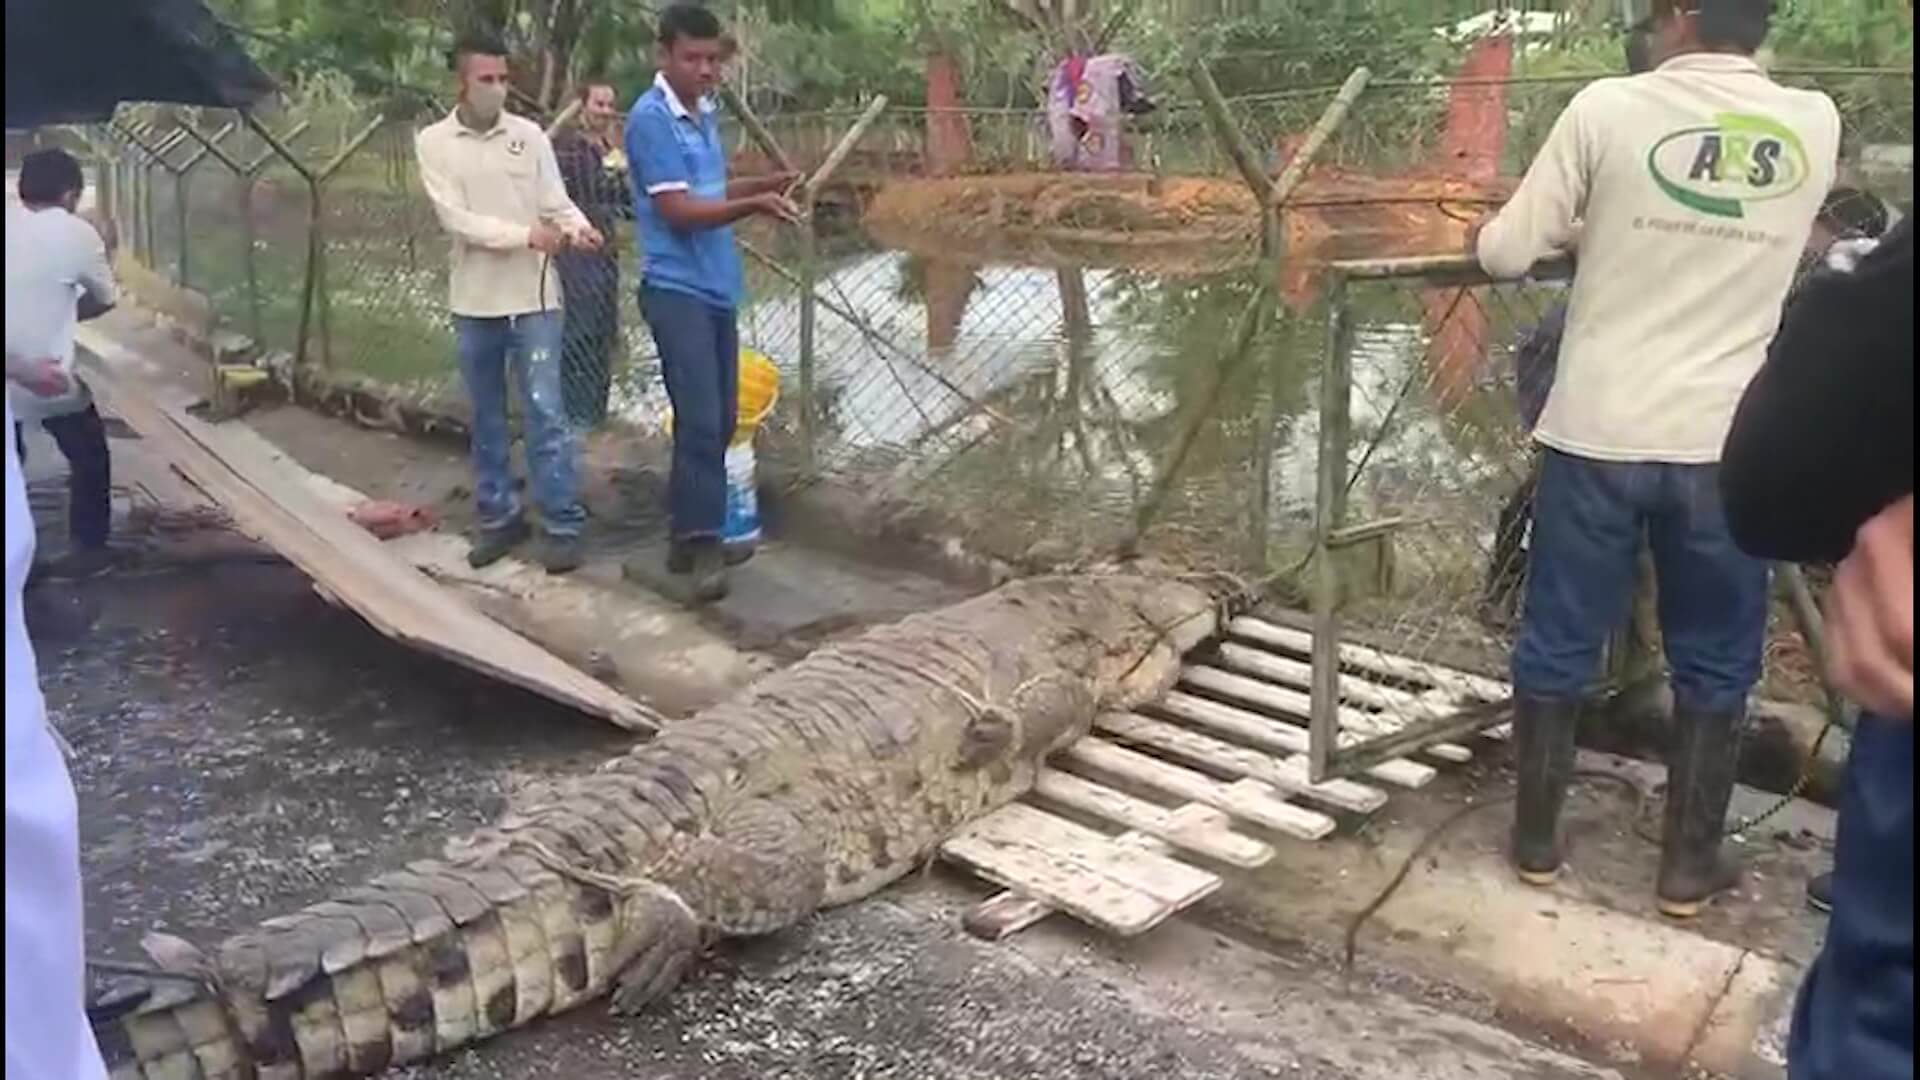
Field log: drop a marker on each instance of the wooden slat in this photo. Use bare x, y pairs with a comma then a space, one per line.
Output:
344, 560
1125, 891
1379, 662
1288, 775
1144, 818
1298, 674
1008, 913
1267, 733
1294, 703
1248, 799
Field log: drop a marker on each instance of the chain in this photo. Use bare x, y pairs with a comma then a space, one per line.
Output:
1798, 789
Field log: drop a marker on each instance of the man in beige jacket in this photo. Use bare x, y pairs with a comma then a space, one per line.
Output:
1692, 189
497, 189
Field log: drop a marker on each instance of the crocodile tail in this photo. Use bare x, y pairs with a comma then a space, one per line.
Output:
417, 963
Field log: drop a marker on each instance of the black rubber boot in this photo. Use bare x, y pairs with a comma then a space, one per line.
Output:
680, 556
709, 569
1543, 731
1820, 893
1701, 760
561, 554
492, 545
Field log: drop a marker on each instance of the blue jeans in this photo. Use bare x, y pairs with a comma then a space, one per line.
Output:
1854, 1018
528, 346
1588, 518
700, 360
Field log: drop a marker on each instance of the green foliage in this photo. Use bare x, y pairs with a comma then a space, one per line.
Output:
1852, 33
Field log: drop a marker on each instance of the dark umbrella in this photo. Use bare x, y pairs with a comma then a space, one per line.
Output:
73, 61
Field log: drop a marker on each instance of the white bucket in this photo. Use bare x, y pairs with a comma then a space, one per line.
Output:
741, 531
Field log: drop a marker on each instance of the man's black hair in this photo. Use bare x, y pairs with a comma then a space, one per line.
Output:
1854, 214
49, 176
474, 43
1740, 25
688, 21
1640, 47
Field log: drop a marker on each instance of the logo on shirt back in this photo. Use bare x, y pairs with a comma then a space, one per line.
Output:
1720, 168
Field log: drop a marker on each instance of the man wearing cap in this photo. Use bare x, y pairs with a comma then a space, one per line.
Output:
1693, 188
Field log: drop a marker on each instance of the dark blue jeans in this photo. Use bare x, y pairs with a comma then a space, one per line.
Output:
1854, 1019
82, 437
700, 360
527, 347
1588, 518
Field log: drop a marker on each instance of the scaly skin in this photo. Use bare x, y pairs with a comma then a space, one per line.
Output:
817, 786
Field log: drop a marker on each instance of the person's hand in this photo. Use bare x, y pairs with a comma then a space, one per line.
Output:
778, 206
1473, 238
589, 239
43, 377
1869, 617
546, 239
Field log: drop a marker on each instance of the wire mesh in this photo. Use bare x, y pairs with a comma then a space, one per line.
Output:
1008, 348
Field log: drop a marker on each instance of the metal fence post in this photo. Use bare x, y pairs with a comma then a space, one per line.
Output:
810, 260
1330, 508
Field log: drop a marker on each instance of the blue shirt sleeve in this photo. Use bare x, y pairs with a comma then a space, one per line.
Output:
654, 154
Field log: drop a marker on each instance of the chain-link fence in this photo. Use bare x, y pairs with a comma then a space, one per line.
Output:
1050, 365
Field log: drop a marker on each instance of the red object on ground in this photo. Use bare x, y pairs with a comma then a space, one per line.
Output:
389, 520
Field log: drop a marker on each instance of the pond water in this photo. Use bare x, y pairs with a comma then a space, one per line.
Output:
1042, 401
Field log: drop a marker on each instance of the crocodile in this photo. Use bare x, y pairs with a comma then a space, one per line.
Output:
817, 786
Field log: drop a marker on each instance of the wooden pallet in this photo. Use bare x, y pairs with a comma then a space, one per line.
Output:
1192, 783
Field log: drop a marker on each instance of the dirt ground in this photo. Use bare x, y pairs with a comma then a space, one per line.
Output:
1180, 225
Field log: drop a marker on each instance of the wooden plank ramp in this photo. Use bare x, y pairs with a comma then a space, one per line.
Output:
345, 561
1200, 779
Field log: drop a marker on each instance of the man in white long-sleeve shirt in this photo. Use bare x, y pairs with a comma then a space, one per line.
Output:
47, 1032
497, 189
1691, 190
57, 274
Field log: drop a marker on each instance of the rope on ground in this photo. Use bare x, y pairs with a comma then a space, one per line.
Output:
1434, 835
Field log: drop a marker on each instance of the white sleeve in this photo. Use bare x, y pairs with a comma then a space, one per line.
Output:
1543, 217
96, 272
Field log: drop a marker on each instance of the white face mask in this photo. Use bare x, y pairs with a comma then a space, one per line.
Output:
487, 99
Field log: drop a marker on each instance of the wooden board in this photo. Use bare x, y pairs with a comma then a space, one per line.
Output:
345, 561
1298, 674
1008, 913
1124, 890
1202, 833
1250, 800
1294, 703
1375, 661
1288, 775
1269, 734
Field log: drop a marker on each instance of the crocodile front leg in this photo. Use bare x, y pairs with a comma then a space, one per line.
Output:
755, 871
664, 937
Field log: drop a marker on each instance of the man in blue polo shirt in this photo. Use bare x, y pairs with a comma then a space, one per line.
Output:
690, 281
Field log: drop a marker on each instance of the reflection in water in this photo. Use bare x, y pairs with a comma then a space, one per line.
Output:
1043, 400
